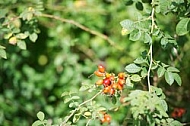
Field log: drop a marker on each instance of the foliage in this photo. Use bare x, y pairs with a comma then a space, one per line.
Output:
50, 77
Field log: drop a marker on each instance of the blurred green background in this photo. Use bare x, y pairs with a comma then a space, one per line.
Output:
64, 56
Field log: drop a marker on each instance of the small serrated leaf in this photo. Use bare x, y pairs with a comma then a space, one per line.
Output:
40, 115
161, 71
76, 117
21, 36
67, 100
132, 68
182, 26
172, 69
169, 77
135, 35
38, 123
177, 78
33, 37
64, 94
21, 44
75, 97
135, 78
127, 24
3, 53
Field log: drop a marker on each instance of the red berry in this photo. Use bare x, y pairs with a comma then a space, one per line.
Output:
106, 82
101, 68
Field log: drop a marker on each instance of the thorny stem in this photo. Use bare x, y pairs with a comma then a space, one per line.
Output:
76, 109
150, 50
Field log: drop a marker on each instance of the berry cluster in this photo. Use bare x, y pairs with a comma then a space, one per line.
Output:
106, 118
178, 112
110, 82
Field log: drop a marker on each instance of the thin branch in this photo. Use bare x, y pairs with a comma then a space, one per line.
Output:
76, 109
105, 37
151, 50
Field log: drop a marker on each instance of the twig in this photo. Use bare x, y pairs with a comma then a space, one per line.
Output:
150, 50
80, 26
76, 109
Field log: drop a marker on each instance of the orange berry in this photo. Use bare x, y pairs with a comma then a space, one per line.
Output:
107, 118
101, 68
114, 85
99, 82
99, 74
120, 87
112, 91
121, 75
121, 81
106, 90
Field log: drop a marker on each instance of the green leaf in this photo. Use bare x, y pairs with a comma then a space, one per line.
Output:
3, 53
161, 71
132, 68
182, 27
37, 123
164, 42
172, 69
135, 78
114, 99
135, 35
21, 36
169, 77
139, 6
177, 78
21, 44
128, 2
40, 115
76, 118
140, 60
164, 105
147, 38
164, 6
144, 72
128, 83
64, 94
33, 37
127, 24
75, 97
67, 100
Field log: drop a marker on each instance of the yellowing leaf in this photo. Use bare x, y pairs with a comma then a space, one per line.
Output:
13, 40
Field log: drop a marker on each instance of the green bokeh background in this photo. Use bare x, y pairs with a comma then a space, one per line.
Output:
64, 56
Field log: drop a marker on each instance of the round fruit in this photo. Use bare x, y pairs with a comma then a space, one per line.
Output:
106, 90
121, 75
101, 68
114, 85
107, 118
120, 87
99, 82
106, 82
99, 74
112, 91
121, 81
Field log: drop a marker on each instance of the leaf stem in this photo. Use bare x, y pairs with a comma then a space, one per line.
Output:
76, 109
